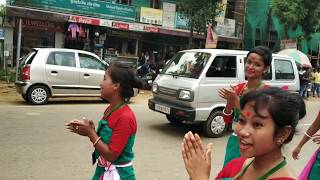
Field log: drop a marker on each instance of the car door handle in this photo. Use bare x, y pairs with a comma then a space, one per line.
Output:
86, 75
54, 72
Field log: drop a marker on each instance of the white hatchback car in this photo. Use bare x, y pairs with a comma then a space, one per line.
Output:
52, 72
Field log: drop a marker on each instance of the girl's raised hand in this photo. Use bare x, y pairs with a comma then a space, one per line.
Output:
316, 138
296, 152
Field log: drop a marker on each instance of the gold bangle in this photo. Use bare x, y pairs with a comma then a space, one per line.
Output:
94, 144
307, 135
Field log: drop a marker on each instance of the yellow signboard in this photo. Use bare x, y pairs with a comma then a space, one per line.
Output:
151, 16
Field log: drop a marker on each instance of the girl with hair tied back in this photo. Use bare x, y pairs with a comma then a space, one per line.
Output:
268, 120
114, 139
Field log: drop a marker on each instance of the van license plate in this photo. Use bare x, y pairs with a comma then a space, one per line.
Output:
162, 108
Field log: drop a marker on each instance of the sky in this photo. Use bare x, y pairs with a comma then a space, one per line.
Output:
2, 1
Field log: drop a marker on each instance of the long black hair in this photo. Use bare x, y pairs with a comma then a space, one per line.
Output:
285, 108
124, 75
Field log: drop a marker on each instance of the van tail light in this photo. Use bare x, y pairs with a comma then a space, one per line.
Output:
26, 73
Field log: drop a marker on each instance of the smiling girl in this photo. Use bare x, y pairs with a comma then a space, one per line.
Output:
268, 120
257, 64
114, 139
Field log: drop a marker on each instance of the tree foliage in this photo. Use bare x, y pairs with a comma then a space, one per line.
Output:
292, 13
200, 13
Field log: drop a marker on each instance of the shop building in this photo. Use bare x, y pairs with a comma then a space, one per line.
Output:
122, 27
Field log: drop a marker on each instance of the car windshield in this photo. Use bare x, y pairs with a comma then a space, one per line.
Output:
187, 64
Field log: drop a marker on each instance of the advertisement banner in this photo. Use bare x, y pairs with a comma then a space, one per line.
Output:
222, 11
181, 21
169, 14
226, 28
212, 39
151, 16
96, 8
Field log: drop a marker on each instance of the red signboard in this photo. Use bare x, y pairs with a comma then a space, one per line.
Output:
84, 20
41, 25
151, 29
121, 26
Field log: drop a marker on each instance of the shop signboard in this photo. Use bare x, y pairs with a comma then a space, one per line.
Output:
136, 27
84, 20
1, 33
181, 21
288, 44
226, 28
151, 29
32, 24
121, 26
105, 22
169, 13
94, 8
151, 16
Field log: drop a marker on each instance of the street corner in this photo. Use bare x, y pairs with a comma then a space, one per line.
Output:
8, 93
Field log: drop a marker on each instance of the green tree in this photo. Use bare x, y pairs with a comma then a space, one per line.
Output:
293, 13
200, 14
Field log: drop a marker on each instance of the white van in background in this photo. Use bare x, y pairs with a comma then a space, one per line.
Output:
187, 88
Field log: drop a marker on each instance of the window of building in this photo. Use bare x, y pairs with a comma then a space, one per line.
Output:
223, 66
127, 2
90, 62
62, 59
155, 4
284, 69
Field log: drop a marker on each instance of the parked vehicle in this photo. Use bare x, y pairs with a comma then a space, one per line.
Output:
52, 72
186, 90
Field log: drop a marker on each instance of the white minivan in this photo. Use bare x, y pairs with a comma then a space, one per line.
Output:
186, 90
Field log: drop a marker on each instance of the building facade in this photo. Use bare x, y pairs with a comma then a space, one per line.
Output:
122, 27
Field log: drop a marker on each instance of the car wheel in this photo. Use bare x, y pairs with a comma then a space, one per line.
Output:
173, 120
215, 125
38, 95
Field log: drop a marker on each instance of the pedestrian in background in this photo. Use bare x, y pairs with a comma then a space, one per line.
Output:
317, 82
115, 136
257, 64
312, 169
268, 121
305, 77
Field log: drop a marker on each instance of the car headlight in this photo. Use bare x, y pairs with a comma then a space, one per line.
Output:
155, 88
186, 95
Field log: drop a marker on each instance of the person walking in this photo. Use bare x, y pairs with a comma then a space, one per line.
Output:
317, 82
257, 64
115, 136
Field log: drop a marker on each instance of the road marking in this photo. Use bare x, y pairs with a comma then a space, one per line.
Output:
33, 114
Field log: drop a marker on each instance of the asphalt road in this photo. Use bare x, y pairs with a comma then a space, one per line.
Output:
36, 145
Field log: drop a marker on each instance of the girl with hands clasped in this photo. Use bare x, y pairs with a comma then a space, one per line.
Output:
312, 169
268, 119
114, 138
257, 64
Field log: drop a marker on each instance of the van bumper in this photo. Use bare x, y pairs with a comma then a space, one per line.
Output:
179, 112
